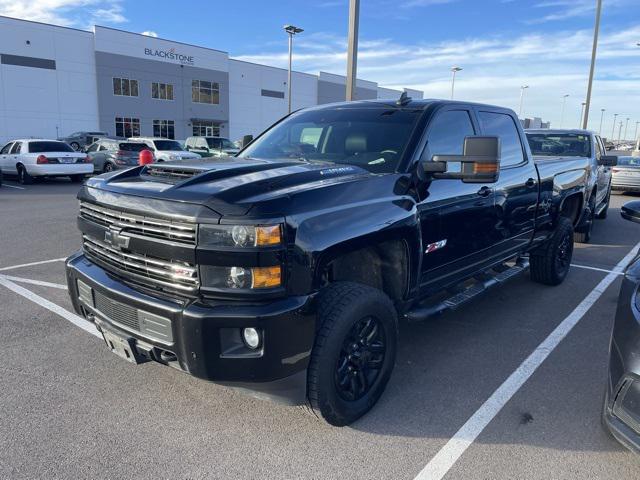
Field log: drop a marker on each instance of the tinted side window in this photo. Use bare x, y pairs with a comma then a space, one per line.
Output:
503, 126
92, 148
447, 133
16, 147
6, 148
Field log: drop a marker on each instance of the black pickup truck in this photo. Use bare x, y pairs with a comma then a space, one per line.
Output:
286, 270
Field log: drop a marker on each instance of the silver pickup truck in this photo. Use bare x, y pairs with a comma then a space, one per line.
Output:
548, 144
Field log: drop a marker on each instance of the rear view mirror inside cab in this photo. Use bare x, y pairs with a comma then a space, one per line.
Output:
479, 163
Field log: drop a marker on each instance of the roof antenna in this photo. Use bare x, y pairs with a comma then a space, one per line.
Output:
404, 99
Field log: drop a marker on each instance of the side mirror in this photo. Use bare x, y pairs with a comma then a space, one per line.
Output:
631, 211
608, 160
480, 162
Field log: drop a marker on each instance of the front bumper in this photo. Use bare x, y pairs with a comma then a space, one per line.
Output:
202, 337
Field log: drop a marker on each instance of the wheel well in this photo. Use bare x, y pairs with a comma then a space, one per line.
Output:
383, 266
572, 208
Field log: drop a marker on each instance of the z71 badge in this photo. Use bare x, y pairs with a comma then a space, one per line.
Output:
432, 247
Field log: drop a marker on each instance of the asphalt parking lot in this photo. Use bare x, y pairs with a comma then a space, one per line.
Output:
71, 409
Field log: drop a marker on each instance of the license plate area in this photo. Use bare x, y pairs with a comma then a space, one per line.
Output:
67, 160
122, 346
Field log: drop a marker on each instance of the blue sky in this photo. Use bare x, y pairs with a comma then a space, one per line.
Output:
501, 44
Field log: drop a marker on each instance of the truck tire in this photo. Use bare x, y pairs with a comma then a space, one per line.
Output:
354, 351
550, 263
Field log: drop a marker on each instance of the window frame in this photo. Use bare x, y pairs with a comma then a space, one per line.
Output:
8, 146
166, 89
121, 79
516, 125
162, 123
423, 145
200, 88
133, 120
16, 148
200, 125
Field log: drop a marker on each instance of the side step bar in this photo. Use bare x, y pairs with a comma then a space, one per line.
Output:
422, 312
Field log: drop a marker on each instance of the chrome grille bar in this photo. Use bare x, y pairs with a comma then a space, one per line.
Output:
164, 273
137, 224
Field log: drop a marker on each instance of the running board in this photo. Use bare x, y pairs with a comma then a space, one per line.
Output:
484, 283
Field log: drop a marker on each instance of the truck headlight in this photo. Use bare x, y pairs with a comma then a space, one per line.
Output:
245, 278
242, 236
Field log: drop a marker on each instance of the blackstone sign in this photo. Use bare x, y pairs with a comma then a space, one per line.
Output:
170, 55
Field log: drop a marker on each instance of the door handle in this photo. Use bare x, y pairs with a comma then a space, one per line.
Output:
485, 191
530, 182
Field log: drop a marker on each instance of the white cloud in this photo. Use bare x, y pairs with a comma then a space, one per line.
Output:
553, 64
70, 13
150, 33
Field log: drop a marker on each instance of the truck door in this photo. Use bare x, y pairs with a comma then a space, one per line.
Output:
457, 219
604, 173
516, 192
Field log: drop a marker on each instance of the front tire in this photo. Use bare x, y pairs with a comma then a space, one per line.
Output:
108, 167
354, 351
23, 176
551, 262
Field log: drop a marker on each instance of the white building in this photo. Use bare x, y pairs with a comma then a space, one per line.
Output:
57, 80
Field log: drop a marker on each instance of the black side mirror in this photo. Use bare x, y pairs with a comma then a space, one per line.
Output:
608, 160
631, 211
479, 163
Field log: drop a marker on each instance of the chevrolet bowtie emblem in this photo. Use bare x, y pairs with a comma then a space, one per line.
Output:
115, 238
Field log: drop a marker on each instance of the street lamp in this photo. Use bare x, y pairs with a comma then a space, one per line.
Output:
601, 119
596, 28
613, 129
291, 30
635, 133
564, 101
582, 115
522, 89
352, 49
626, 126
619, 132
454, 70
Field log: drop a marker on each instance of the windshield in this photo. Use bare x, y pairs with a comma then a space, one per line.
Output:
564, 144
629, 161
41, 147
219, 143
132, 147
371, 138
170, 145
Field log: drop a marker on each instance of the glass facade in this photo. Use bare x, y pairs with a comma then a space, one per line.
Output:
127, 127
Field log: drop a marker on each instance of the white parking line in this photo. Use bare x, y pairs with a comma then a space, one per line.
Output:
35, 282
596, 269
4, 269
13, 186
57, 309
448, 455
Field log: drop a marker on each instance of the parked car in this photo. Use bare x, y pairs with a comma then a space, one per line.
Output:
107, 154
285, 270
40, 158
80, 140
626, 175
569, 144
164, 149
211, 146
621, 412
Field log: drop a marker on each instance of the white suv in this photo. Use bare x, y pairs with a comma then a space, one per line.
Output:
29, 158
165, 149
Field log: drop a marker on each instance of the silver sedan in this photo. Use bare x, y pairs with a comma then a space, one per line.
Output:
626, 175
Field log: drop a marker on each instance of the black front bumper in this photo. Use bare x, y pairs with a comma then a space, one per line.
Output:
621, 412
203, 336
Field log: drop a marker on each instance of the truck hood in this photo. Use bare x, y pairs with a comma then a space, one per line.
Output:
227, 185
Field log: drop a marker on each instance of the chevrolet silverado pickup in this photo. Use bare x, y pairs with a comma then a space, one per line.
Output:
284, 271
557, 144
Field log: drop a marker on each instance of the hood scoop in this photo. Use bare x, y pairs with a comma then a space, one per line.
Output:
171, 173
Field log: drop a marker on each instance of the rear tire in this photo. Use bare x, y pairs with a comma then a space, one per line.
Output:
550, 263
354, 352
23, 176
108, 167
75, 146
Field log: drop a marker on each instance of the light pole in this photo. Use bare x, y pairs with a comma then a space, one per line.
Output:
352, 48
596, 28
613, 129
564, 102
635, 133
291, 30
619, 132
522, 89
582, 115
601, 119
626, 126
454, 70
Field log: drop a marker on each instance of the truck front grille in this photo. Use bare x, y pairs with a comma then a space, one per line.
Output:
180, 232
157, 272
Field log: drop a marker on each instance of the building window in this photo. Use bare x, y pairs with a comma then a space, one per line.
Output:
162, 91
164, 128
205, 128
127, 127
125, 87
205, 92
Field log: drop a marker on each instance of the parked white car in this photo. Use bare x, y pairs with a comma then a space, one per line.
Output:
38, 158
165, 149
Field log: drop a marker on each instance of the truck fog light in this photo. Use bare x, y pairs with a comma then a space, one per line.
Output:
251, 338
